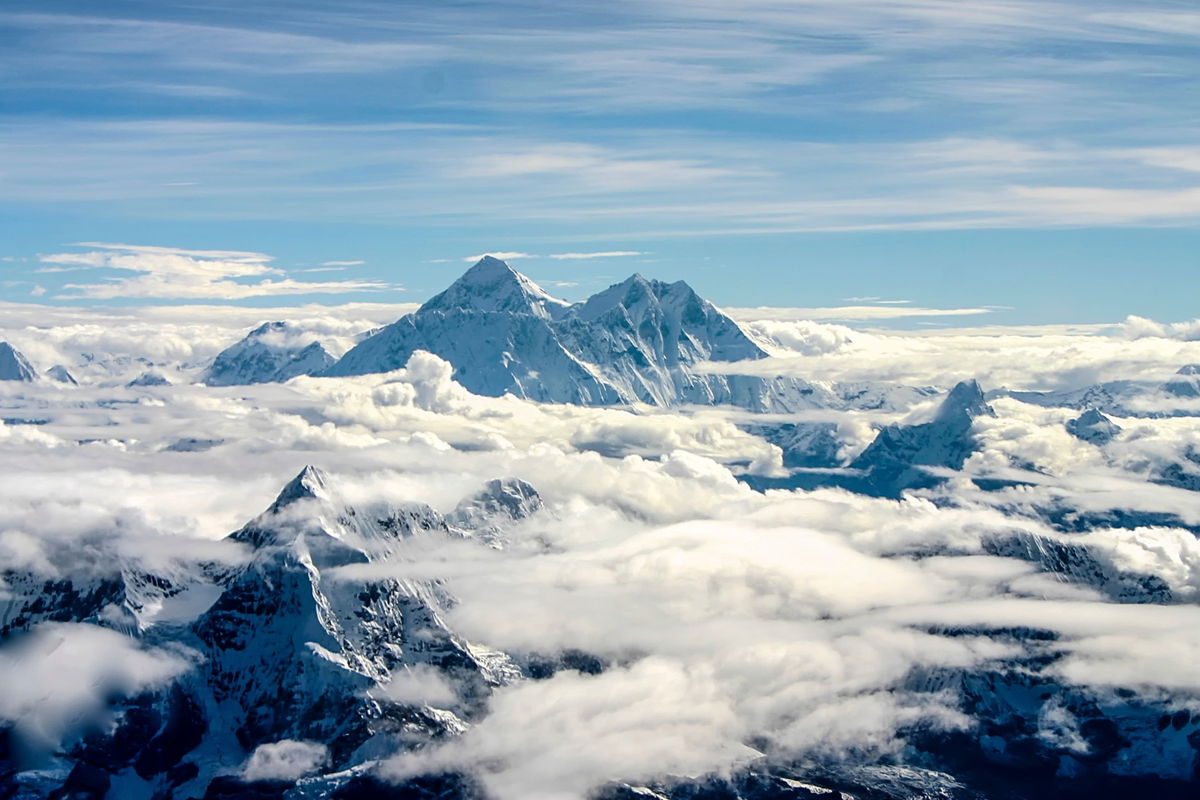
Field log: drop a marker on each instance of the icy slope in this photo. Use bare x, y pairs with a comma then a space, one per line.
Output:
13, 365
637, 341
265, 356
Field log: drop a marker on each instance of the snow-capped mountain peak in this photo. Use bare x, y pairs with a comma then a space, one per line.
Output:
639, 341
311, 483
493, 286
1185, 382
13, 365
1092, 426
689, 327
273, 352
965, 399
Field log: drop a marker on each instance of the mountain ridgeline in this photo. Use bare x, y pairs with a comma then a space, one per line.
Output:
310, 631
634, 342
639, 341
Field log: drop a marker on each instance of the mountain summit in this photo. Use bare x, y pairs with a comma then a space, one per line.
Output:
492, 285
636, 341
13, 365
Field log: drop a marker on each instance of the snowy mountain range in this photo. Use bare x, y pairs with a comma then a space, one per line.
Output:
1124, 398
281, 650
639, 341
311, 638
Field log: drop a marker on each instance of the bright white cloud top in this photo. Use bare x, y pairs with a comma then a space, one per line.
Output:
646, 602
169, 273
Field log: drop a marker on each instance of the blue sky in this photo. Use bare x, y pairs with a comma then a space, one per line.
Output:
1041, 159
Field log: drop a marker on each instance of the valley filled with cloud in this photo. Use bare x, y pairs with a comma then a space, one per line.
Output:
865, 573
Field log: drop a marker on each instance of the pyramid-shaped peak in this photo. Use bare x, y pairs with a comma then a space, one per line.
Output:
966, 397
311, 483
13, 365
267, 327
492, 285
1189, 369
62, 375
1093, 416
1094, 427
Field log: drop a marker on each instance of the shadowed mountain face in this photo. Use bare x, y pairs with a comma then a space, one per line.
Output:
265, 356
298, 643
13, 365
282, 647
894, 461
901, 457
1093, 427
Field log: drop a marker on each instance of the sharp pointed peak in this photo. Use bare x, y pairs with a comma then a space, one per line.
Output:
13, 365
492, 285
1092, 415
966, 396
311, 483
491, 262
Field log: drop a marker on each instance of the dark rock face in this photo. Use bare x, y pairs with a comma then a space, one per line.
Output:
148, 379
1093, 427
427, 787
33, 600
804, 444
896, 460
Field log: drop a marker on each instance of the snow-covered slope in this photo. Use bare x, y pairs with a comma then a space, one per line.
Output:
1093, 427
637, 341
13, 365
314, 640
897, 459
894, 461
266, 355
288, 645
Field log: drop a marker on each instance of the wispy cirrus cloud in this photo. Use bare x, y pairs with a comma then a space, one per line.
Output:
605, 254
167, 272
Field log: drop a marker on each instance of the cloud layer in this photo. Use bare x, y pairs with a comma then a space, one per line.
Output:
731, 623
170, 273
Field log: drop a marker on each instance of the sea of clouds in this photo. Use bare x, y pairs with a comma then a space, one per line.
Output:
736, 623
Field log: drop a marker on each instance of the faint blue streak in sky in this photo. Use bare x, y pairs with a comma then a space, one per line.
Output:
618, 126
